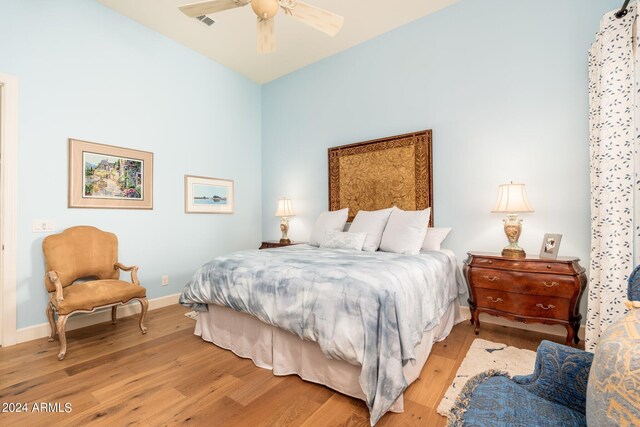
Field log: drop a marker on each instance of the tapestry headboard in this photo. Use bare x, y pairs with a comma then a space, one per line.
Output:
379, 174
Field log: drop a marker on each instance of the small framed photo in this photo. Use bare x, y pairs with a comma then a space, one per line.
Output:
208, 195
109, 177
550, 246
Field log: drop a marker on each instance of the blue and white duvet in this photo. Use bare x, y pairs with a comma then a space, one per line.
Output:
366, 308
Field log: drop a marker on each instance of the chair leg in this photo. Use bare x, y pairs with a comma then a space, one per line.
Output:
62, 324
145, 306
52, 322
114, 311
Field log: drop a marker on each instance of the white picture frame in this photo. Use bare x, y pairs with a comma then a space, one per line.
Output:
550, 246
204, 195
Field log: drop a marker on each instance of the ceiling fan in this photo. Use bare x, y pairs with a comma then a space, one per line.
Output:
320, 19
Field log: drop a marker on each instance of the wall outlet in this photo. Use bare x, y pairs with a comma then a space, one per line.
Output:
165, 280
43, 225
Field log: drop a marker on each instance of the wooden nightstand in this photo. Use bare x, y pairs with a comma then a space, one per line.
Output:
528, 290
276, 244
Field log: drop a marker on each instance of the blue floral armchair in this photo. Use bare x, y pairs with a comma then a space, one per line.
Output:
564, 390
554, 395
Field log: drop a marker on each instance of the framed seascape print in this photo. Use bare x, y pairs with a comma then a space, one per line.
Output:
104, 176
208, 195
550, 246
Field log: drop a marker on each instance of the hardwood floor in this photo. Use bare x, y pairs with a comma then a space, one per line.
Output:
114, 375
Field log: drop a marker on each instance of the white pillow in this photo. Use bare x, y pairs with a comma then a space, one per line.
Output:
405, 231
373, 224
343, 240
434, 238
328, 221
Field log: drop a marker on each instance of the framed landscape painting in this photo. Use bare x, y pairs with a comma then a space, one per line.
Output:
207, 195
104, 176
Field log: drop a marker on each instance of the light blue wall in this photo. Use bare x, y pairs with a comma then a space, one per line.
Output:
88, 73
503, 85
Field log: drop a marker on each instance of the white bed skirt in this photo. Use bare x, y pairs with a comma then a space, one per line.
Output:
285, 354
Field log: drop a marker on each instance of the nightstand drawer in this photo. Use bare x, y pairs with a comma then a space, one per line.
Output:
538, 266
526, 305
524, 283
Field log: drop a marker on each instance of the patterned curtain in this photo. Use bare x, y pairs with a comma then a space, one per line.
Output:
613, 139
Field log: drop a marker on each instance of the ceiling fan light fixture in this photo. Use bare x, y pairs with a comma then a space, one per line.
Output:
265, 9
315, 17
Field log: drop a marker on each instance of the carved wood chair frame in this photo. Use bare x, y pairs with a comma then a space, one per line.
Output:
59, 327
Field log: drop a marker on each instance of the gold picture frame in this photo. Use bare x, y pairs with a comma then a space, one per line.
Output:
109, 177
204, 195
379, 174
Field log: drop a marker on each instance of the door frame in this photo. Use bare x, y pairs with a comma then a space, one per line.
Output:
9, 206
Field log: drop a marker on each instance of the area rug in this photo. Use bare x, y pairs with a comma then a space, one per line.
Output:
192, 315
484, 355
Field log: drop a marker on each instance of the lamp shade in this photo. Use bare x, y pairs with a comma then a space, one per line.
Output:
285, 208
512, 199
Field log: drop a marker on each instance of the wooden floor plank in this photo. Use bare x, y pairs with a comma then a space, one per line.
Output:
339, 410
134, 410
435, 378
114, 375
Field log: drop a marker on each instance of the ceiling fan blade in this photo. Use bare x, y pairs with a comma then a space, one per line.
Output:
207, 7
266, 36
320, 19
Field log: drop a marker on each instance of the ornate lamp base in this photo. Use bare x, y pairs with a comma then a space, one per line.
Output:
513, 253
284, 227
513, 228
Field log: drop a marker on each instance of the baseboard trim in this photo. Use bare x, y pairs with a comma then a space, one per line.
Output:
558, 330
80, 321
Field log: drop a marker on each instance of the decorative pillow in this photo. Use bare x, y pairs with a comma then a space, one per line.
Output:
434, 238
328, 221
343, 240
373, 224
405, 231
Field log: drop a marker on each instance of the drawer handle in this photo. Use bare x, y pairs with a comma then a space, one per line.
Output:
490, 262
546, 308
548, 265
551, 285
491, 279
495, 299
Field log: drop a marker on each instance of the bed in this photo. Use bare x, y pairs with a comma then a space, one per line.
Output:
361, 323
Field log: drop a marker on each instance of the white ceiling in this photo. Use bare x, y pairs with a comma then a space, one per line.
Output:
231, 41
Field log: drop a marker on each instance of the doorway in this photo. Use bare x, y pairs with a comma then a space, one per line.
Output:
8, 207
1, 216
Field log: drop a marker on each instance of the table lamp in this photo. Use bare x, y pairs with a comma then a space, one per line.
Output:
512, 200
285, 210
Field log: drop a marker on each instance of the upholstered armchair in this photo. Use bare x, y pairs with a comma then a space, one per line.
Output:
569, 387
613, 395
554, 395
83, 275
